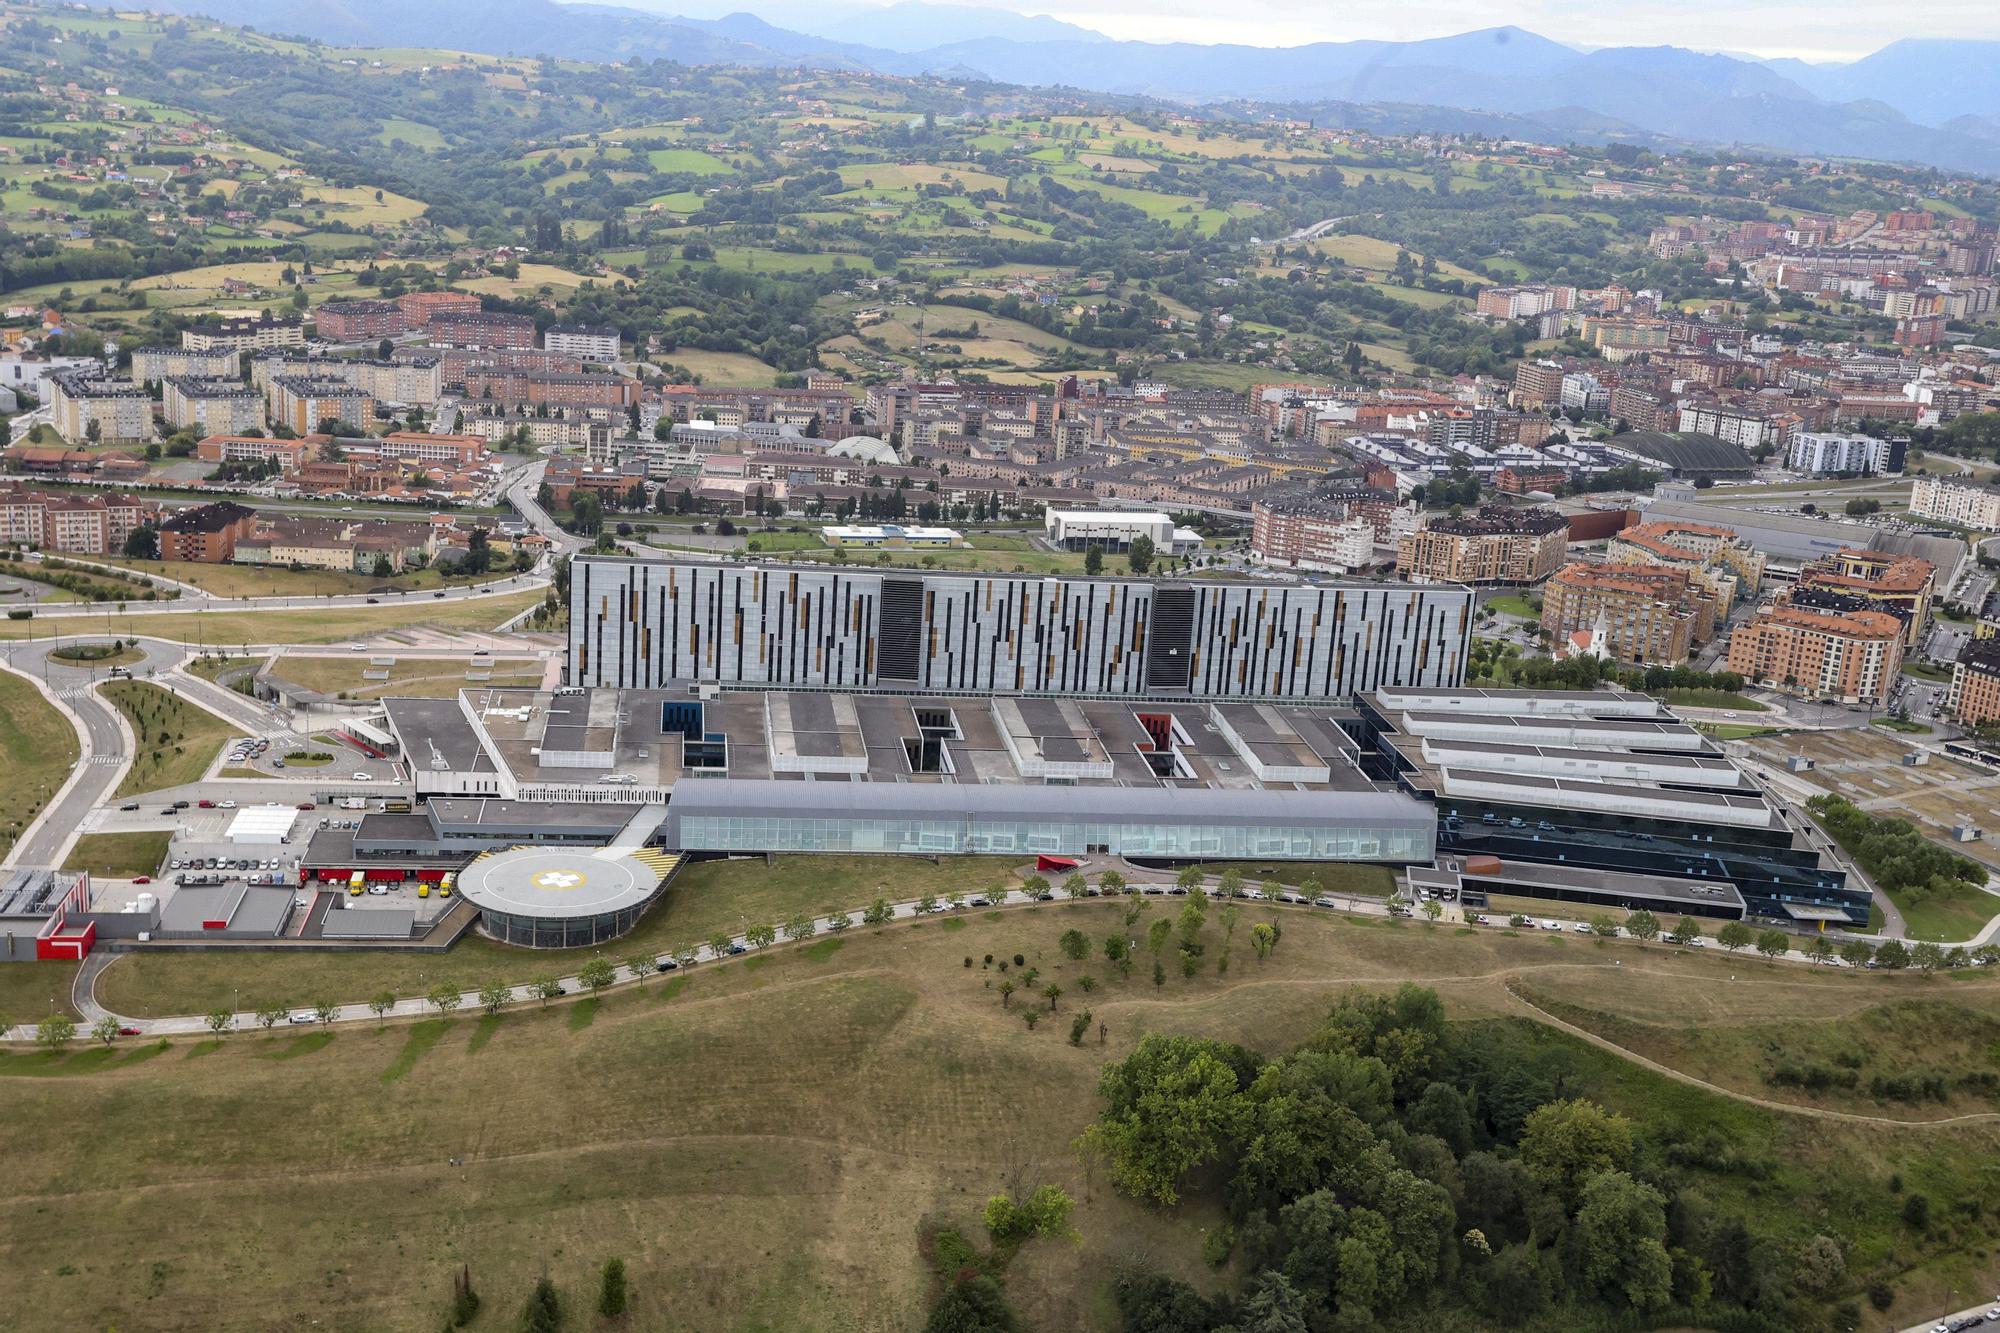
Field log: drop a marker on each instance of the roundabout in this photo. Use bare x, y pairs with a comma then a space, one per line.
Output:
556, 898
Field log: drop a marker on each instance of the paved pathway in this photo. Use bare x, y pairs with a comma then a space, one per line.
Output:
418, 1006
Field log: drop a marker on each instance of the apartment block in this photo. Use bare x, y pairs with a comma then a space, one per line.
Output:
591, 342
302, 402
1494, 545
154, 365
206, 533
468, 328
420, 308
1733, 567
78, 524
88, 408
250, 333
354, 321
1953, 502
1902, 583
211, 406
1821, 454
1313, 532
1642, 615
414, 380
1975, 683
1853, 656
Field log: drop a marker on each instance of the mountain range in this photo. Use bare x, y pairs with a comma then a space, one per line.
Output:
1919, 100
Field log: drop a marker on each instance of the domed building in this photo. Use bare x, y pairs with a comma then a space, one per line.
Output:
866, 449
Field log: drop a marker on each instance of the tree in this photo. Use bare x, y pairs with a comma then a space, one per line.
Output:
718, 944
1158, 934
543, 1312
1856, 953
1140, 554
1642, 925
1172, 1106
105, 1030
1118, 950
1111, 883
1229, 886
445, 997
640, 965
220, 1021
1685, 932
1773, 943
598, 973
1564, 1143
1603, 926
760, 936
686, 952
1820, 950
838, 922
1075, 886
927, 904
1045, 1213
1093, 560
545, 989
877, 913
1075, 945
1926, 956
1052, 993
1894, 955
325, 1011
800, 927
1432, 910
494, 995
56, 1032
611, 1289
380, 1004
269, 1014
143, 543
1620, 1236
1734, 935
1006, 989
1263, 940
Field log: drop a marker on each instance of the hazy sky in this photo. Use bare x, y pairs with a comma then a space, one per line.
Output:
1810, 29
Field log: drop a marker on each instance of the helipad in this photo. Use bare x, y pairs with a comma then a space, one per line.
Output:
555, 898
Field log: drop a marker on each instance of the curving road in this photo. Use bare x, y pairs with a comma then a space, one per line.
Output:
85, 1002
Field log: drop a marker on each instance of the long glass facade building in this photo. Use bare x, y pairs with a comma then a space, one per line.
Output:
754, 815
643, 624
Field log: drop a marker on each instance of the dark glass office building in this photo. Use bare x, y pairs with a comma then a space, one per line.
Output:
1602, 781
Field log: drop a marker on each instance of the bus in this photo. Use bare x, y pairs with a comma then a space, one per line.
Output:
355, 883
447, 884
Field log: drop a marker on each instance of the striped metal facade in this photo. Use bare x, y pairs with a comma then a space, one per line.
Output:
642, 624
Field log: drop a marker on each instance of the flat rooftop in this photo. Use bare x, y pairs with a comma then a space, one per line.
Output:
820, 736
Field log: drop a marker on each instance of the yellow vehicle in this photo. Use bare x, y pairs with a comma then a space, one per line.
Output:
355, 883
396, 807
423, 890
446, 884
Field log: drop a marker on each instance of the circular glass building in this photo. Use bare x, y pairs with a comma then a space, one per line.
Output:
550, 898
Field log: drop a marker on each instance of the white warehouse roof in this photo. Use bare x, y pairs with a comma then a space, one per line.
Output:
261, 824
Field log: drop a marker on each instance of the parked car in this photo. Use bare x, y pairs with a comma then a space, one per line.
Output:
301, 1016
666, 965
129, 805
307, 805
363, 777
142, 879
128, 1031
208, 805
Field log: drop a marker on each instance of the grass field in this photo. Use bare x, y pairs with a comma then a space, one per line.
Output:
119, 855
721, 367
1513, 604
38, 747
816, 1107
267, 581
342, 675
305, 626
178, 740
711, 896
1948, 917
1713, 699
